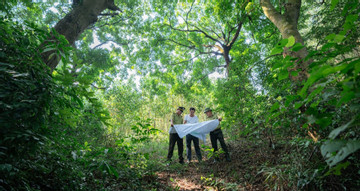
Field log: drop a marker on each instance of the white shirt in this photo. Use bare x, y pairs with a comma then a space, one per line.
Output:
189, 119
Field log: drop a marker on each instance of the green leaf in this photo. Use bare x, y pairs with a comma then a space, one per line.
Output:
315, 104
283, 75
298, 105
276, 50
275, 106
314, 93
146, 155
333, 4
277, 65
282, 43
357, 66
330, 37
113, 171
291, 41
318, 74
346, 96
327, 46
298, 46
340, 148
339, 38
332, 70
324, 122
337, 169
294, 73
351, 66
275, 115
289, 99
334, 133
331, 146
79, 101
305, 126
49, 49
351, 18
6, 167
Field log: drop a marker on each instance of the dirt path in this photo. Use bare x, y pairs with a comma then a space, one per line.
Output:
240, 174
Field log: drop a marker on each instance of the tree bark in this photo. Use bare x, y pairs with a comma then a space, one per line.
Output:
83, 14
287, 25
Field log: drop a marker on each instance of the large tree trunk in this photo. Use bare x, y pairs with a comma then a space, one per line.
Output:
83, 14
287, 25
226, 55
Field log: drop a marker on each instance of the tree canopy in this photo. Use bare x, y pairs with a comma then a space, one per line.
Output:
87, 89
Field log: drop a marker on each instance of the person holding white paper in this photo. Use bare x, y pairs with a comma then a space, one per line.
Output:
217, 134
190, 119
176, 118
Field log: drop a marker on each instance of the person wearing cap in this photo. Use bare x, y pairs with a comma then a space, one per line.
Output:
176, 118
217, 134
192, 118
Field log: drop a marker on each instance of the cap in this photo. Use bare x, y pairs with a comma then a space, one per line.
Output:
181, 108
207, 109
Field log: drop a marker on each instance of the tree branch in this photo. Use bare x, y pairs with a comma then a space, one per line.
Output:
187, 14
194, 48
236, 35
109, 14
111, 5
114, 23
224, 37
97, 46
207, 35
251, 22
216, 46
186, 60
103, 88
258, 62
191, 47
198, 30
229, 33
271, 13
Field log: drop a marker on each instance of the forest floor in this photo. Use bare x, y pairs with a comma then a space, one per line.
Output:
242, 173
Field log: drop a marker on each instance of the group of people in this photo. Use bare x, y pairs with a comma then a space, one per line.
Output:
215, 135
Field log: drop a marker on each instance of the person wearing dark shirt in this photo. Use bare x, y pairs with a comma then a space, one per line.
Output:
176, 118
217, 134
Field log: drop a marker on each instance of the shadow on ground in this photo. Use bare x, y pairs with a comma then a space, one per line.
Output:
240, 174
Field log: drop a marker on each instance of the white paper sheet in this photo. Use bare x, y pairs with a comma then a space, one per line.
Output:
198, 130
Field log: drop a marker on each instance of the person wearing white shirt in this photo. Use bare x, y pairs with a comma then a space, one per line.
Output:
192, 118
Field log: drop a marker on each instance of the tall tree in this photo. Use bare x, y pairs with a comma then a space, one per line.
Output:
83, 14
287, 23
206, 30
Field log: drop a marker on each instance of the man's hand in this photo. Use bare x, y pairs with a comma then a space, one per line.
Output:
220, 118
172, 125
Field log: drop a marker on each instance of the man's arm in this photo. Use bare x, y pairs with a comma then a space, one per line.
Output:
172, 120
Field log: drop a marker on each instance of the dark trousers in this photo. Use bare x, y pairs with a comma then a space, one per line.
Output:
190, 138
174, 138
218, 135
